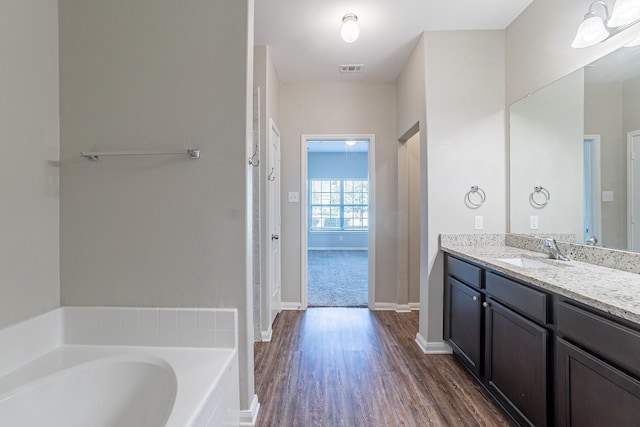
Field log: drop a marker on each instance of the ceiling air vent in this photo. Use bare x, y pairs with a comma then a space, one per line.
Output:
351, 68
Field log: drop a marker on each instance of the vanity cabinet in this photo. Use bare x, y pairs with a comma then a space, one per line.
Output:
516, 363
497, 328
463, 324
545, 358
597, 370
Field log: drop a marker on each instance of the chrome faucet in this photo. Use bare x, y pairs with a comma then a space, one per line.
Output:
551, 247
591, 241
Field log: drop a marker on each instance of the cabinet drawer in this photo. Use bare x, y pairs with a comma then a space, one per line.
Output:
530, 302
612, 341
470, 274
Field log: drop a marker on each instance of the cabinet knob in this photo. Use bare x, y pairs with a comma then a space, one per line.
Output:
485, 304
475, 298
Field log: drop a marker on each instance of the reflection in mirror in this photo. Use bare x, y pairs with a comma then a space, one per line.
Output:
576, 139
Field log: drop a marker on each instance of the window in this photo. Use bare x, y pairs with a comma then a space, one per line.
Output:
339, 205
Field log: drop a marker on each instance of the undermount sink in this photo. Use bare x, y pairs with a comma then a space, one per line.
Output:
525, 262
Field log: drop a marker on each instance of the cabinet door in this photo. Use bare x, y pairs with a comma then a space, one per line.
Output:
464, 316
516, 364
593, 393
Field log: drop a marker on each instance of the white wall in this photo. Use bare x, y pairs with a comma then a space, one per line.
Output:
158, 231
546, 134
29, 159
339, 108
463, 144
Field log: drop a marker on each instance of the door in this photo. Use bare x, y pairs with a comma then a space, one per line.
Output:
516, 352
465, 323
592, 392
633, 190
273, 225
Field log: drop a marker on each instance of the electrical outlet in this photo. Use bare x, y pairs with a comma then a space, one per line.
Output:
294, 197
607, 196
478, 222
533, 222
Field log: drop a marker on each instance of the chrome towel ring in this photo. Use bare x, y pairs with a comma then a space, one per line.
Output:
542, 200
479, 200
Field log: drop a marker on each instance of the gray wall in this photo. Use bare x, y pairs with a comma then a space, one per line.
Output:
340, 108
158, 231
29, 216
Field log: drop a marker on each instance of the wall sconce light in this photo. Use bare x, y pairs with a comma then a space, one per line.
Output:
595, 28
350, 30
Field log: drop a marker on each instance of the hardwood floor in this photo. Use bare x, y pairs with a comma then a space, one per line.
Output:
353, 367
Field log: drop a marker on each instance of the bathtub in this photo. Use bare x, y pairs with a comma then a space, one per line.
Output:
101, 386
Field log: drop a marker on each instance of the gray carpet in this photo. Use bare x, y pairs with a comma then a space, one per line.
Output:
338, 278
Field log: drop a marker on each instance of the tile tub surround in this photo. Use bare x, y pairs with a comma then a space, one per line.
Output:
130, 326
607, 289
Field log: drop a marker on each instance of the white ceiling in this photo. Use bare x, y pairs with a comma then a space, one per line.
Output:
304, 35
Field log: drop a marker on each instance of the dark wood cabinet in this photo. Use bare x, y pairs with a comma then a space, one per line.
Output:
593, 393
516, 363
465, 323
547, 359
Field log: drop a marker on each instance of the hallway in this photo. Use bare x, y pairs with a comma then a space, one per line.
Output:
353, 367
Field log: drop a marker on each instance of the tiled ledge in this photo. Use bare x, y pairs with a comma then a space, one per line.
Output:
126, 326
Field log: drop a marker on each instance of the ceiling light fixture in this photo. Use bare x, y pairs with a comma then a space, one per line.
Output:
350, 30
595, 28
350, 143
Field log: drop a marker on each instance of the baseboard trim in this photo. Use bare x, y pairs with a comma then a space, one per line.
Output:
400, 308
432, 347
349, 248
290, 306
249, 416
403, 308
384, 306
266, 335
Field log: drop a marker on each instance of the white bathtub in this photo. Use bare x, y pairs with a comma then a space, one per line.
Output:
102, 386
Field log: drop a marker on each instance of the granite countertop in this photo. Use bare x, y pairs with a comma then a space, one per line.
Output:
607, 289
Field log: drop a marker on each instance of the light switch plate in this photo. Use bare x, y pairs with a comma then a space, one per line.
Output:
533, 222
607, 196
478, 222
294, 197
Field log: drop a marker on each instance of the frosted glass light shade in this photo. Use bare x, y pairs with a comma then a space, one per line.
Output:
634, 42
591, 31
350, 30
624, 12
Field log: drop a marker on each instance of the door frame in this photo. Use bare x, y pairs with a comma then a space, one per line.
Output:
597, 184
630, 189
304, 212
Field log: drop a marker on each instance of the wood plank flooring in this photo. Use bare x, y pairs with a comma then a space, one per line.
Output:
353, 367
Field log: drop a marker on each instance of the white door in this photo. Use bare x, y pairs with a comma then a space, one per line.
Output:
273, 226
633, 191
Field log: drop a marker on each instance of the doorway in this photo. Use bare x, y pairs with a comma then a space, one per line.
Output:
633, 188
337, 221
592, 202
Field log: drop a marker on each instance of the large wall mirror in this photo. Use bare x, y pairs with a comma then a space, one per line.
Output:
572, 166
